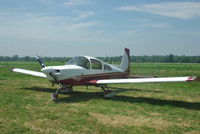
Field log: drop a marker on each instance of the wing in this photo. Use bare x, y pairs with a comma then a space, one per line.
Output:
144, 80
34, 73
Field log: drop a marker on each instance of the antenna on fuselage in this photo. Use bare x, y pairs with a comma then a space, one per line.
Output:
109, 60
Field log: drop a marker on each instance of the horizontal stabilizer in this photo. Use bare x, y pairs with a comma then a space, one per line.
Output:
24, 71
145, 80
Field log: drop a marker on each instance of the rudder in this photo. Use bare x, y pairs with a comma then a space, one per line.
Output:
125, 63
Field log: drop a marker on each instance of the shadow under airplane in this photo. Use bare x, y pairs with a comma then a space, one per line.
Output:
79, 96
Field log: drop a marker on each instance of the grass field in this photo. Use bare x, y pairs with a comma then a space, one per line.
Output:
26, 106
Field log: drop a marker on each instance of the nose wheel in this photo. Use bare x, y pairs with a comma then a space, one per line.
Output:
54, 96
64, 88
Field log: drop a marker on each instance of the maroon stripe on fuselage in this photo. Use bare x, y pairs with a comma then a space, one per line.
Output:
85, 79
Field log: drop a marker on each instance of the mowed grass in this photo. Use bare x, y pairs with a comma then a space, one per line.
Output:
26, 106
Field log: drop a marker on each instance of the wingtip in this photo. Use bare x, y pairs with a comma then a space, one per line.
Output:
193, 78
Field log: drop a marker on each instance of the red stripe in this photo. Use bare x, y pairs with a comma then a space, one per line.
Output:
190, 78
104, 74
91, 79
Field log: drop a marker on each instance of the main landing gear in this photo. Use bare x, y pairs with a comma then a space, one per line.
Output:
62, 89
68, 88
107, 93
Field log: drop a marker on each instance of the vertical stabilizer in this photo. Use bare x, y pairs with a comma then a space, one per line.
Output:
125, 63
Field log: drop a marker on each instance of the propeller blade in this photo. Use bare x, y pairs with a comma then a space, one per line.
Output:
41, 62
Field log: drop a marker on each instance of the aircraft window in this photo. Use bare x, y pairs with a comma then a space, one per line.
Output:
80, 61
95, 64
107, 67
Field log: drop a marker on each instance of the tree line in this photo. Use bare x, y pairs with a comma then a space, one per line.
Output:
155, 58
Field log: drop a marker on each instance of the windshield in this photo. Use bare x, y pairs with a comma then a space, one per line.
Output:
80, 61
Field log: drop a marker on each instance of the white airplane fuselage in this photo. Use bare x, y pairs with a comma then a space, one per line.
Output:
77, 75
81, 70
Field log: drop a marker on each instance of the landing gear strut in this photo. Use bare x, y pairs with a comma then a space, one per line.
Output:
62, 89
107, 92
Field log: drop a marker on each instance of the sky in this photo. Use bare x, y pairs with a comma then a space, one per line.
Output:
99, 27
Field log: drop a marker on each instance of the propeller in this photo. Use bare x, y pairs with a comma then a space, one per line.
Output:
40, 60
46, 70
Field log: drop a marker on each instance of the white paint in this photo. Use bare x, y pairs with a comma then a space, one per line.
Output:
34, 73
143, 80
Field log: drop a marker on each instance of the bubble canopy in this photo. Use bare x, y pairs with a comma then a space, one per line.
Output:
89, 63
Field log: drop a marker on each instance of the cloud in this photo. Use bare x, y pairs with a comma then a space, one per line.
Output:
83, 15
180, 10
45, 0
45, 27
75, 2
159, 25
147, 23
83, 25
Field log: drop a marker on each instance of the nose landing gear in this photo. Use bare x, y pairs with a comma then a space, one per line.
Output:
62, 89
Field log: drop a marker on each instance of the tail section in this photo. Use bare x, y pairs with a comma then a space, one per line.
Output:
125, 63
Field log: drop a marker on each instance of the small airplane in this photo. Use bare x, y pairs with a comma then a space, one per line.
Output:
87, 71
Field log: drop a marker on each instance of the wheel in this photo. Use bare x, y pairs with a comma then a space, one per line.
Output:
54, 96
